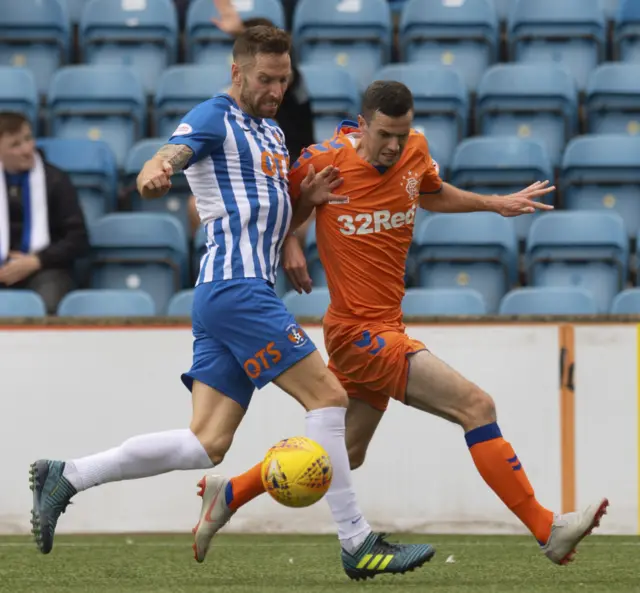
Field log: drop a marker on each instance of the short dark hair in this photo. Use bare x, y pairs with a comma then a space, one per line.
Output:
261, 39
11, 122
389, 97
257, 21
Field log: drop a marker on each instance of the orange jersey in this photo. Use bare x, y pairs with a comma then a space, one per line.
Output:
363, 244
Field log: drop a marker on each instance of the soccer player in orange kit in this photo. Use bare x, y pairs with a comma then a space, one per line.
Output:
363, 245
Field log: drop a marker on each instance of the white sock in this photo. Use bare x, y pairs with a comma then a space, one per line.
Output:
139, 457
326, 427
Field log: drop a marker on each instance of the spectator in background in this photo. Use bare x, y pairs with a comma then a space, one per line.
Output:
42, 228
294, 116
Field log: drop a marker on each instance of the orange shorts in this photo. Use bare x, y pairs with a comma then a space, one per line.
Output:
371, 361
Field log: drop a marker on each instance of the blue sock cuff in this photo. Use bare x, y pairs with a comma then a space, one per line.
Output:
228, 493
488, 432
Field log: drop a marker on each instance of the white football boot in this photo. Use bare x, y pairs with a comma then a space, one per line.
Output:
214, 514
569, 529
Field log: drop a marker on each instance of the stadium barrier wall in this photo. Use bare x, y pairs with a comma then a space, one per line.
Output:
567, 398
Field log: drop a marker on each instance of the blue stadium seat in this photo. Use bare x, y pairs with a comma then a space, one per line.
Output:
626, 35
206, 44
558, 300
503, 8
107, 303
613, 99
587, 249
538, 101
35, 34
626, 302
181, 303
571, 33
459, 35
490, 165
308, 305
140, 250
15, 302
441, 103
602, 172
474, 250
100, 103
355, 34
610, 8
334, 97
174, 203
443, 301
183, 87
18, 92
143, 36
74, 9
92, 168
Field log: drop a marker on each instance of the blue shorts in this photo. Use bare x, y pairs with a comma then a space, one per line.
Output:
244, 337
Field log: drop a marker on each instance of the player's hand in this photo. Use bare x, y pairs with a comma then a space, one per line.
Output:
154, 181
524, 201
294, 264
229, 20
317, 189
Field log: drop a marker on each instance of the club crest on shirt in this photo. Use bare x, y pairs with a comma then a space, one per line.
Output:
411, 183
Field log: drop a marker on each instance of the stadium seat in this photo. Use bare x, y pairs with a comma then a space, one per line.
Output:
206, 44
181, 303
571, 33
15, 302
458, 35
610, 8
355, 34
563, 300
586, 249
74, 9
443, 301
107, 303
174, 203
602, 172
35, 34
503, 7
441, 103
141, 35
474, 250
18, 92
529, 101
626, 35
490, 165
92, 168
100, 103
626, 302
308, 305
613, 99
334, 97
139, 251
183, 87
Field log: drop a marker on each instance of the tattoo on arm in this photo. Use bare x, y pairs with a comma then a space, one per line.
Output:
177, 155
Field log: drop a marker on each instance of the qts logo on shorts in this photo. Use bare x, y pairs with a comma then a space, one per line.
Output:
296, 335
262, 360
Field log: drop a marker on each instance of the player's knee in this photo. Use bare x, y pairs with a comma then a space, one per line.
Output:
216, 445
329, 393
480, 410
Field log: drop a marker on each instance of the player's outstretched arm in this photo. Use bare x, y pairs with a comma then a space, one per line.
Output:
154, 180
451, 199
294, 263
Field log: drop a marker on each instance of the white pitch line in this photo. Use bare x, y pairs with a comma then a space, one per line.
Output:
284, 545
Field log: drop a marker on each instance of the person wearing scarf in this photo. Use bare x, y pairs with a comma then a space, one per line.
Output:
42, 228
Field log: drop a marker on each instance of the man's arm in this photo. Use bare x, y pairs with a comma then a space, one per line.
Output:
451, 199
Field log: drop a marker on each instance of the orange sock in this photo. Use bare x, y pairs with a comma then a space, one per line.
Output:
502, 471
244, 488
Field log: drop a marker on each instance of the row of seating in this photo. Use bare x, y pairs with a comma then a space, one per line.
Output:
416, 302
598, 172
356, 34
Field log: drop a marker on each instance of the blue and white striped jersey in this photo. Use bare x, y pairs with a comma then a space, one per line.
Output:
238, 175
